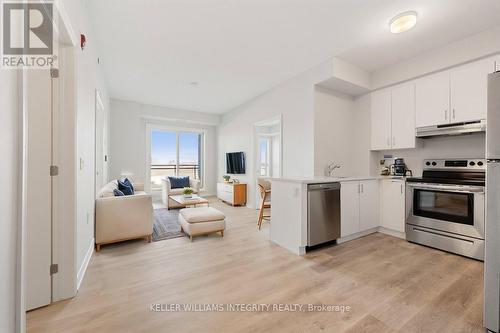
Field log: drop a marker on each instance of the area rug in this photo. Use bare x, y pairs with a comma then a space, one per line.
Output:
166, 224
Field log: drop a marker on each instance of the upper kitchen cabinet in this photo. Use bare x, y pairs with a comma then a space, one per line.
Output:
497, 63
381, 120
393, 118
432, 95
453, 96
403, 116
469, 87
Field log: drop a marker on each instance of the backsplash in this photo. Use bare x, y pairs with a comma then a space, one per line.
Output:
465, 146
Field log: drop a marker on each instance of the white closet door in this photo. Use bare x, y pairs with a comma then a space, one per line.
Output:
38, 190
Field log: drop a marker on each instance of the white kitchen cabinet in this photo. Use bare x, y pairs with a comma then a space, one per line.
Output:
393, 118
432, 96
359, 206
369, 205
349, 208
469, 87
497, 63
403, 116
381, 120
392, 213
453, 96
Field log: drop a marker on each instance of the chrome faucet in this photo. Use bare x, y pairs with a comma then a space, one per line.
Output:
332, 168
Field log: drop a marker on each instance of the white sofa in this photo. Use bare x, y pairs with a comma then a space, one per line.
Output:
167, 191
124, 217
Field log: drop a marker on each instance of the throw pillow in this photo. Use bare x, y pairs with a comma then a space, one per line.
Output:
179, 182
118, 193
127, 182
127, 190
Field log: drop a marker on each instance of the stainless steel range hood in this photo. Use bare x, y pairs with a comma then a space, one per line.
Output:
452, 129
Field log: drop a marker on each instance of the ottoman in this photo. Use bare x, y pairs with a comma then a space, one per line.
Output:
201, 221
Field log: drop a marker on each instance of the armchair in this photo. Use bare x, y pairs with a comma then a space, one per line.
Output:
167, 191
122, 218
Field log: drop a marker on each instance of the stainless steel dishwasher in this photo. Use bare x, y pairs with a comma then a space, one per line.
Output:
323, 213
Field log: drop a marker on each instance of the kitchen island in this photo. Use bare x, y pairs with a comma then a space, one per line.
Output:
289, 209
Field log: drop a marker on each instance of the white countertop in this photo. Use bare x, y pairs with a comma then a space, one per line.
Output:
319, 180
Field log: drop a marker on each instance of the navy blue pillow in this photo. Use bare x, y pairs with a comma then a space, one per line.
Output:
127, 190
118, 193
127, 182
179, 182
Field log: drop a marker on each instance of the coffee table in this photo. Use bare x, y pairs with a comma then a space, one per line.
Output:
189, 202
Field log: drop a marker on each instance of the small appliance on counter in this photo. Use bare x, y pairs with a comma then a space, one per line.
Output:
399, 168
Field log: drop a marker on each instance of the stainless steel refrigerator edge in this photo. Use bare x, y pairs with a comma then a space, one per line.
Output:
492, 251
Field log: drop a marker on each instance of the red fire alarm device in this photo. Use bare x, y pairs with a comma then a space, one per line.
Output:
83, 40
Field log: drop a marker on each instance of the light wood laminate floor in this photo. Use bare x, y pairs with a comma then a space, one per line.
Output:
391, 286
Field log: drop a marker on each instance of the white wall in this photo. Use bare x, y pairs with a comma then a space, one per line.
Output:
9, 203
334, 132
342, 133
465, 146
89, 78
478, 46
128, 137
294, 99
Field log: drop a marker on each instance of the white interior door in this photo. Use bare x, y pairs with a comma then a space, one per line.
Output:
38, 189
100, 144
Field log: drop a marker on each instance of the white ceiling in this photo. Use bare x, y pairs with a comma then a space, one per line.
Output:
151, 50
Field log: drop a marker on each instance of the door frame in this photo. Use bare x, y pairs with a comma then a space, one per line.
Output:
99, 108
63, 234
278, 120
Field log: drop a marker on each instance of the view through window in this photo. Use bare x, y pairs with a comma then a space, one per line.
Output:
175, 153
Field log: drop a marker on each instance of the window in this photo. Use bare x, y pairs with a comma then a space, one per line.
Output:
175, 153
264, 156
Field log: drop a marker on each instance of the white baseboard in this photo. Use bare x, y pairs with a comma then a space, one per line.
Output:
393, 233
85, 264
356, 235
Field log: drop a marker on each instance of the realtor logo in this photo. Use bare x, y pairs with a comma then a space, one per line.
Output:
27, 34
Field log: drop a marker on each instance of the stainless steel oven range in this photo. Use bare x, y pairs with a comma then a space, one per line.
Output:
445, 208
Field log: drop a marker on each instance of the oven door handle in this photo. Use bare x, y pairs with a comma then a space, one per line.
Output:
448, 188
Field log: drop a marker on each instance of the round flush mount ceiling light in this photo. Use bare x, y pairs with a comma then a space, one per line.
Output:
193, 84
403, 22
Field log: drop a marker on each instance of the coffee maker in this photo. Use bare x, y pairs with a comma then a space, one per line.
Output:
399, 168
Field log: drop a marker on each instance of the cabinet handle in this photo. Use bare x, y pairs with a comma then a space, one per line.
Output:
393, 140
453, 113
401, 188
445, 114
388, 142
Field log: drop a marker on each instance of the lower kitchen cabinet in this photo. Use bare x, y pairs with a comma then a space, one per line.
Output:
359, 202
392, 215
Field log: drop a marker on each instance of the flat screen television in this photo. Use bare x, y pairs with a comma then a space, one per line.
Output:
235, 163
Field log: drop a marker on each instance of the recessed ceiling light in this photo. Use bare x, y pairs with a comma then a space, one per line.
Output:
193, 84
403, 22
